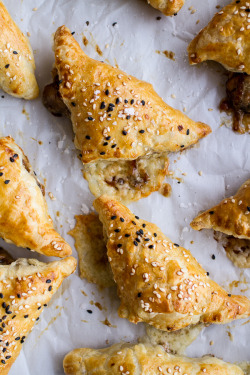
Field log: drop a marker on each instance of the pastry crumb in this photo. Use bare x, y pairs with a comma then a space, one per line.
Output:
200, 173
51, 196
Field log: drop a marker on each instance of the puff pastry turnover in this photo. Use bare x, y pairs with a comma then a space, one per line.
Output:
17, 76
26, 286
24, 218
167, 7
123, 129
158, 281
141, 359
231, 217
226, 39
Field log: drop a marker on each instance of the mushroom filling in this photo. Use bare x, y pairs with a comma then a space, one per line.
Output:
238, 99
52, 99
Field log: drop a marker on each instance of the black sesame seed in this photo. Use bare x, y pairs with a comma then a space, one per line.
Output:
15, 52
1, 295
13, 317
7, 65
143, 102
139, 294
187, 132
4, 305
213, 256
87, 23
102, 106
137, 217
108, 138
4, 350
39, 308
17, 338
90, 311
211, 212
248, 208
176, 244
88, 137
158, 18
238, 1
207, 273
90, 118
133, 222
45, 305
8, 357
247, 10
73, 32
1, 174
143, 225
3, 361
128, 117
6, 182
110, 108
113, 217
48, 281
124, 132
127, 235
102, 153
117, 101
50, 288
135, 243
138, 239
125, 101
113, 24
26, 316
113, 146
142, 131
9, 312
151, 246
122, 220
229, 295
105, 144
155, 234
73, 104
117, 230
107, 92
175, 14
141, 231
119, 245
182, 146
4, 317
1, 329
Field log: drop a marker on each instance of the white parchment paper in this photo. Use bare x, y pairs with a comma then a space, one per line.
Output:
223, 157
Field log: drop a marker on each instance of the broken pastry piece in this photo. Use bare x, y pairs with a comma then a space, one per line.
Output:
167, 7
231, 217
92, 252
226, 39
123, 129
26, 286
17, 76
24, 218
143, 359
159, 282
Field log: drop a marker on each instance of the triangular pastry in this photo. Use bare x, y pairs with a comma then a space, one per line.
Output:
159, 282
167, 7
24, 218
143, 359
226, 39
17, 76
123, 129
231, 217
26, 286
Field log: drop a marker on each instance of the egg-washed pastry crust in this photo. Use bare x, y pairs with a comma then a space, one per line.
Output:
26, 287
159, 282
118, 121
24, 218
167, 7
17, 62
141, 359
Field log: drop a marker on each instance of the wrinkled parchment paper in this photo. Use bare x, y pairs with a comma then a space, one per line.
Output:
222, 159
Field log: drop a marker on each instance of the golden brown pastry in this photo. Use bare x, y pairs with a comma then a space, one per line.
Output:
226, 39
159, 282
167, 7
123, 129
26, 286
24, 218
231, 217
141, 359
92, 252
17, 76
